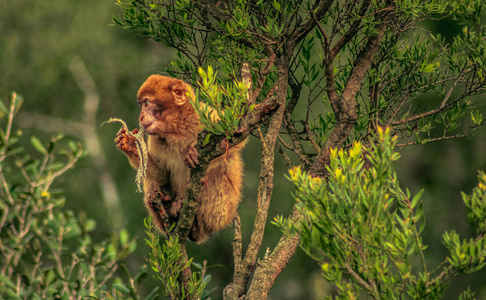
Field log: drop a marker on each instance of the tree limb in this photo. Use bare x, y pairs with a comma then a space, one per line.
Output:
209, 152
353, 30
345, 107
321, 10
265, 188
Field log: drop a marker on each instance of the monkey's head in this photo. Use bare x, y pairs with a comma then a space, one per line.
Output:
164, 102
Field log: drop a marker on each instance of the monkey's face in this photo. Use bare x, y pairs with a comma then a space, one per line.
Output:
162, 100
150, 115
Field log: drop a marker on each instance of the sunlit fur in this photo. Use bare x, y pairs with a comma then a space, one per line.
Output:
173, 125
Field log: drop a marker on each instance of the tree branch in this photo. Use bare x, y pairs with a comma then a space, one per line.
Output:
289, 123
265, 188
353, 30
302, 32
422, 115
443, 105
270, 267
209, 152
345, 108
237, 244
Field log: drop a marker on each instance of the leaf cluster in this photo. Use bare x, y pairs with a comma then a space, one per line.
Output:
165, 260
366, 231
47, 251
220, 107
340, 71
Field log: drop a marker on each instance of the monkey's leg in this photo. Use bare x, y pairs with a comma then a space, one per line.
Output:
157, 206
175, 207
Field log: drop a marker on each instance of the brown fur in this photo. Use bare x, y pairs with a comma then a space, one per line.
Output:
173, 125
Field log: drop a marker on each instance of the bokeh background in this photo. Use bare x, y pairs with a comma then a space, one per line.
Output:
75, 71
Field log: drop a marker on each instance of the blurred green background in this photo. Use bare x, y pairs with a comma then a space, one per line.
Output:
49, 48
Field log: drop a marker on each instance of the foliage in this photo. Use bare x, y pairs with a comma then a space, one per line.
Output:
407, 67
365, 231
47, 251
165, 260
224, 104
339, 71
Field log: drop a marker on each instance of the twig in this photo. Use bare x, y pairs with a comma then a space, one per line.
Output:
358, 278
461, 135
237, 245
11, 113
310, 136
451, 89
284, 155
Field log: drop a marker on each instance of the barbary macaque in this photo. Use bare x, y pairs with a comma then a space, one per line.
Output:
172, 125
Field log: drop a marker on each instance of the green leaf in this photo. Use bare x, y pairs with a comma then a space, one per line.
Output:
36, 143
124, 237
206, 139
3, 109
90, 225
431, 67
417, 197
121, 288
140, 277
4, 279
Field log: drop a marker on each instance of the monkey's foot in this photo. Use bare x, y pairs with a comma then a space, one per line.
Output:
160, 194
175, 207
160, 217
164, 197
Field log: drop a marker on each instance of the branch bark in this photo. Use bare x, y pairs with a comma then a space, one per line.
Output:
209, 152
265, 189
319, 12
271, 266
344, 107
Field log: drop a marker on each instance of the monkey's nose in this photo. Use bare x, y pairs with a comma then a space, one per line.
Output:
143, 122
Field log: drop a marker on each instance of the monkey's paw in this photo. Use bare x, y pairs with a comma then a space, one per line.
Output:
160, 217
126, 143
190, 156
162, 195
175, 207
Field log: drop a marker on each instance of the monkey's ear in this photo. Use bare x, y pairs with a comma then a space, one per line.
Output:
179, 91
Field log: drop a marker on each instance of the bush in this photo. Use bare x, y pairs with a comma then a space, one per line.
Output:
365, 231
47, 251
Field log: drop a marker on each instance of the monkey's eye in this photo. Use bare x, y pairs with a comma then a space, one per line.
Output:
144, 102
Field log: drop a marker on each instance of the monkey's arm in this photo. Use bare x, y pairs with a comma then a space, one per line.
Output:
185, 141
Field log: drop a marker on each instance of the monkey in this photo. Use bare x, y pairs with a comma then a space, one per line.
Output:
172, 126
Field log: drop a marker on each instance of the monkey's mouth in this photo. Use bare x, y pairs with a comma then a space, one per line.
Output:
148, 130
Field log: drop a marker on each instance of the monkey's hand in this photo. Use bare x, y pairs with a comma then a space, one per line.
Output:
126, 143
190, 156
